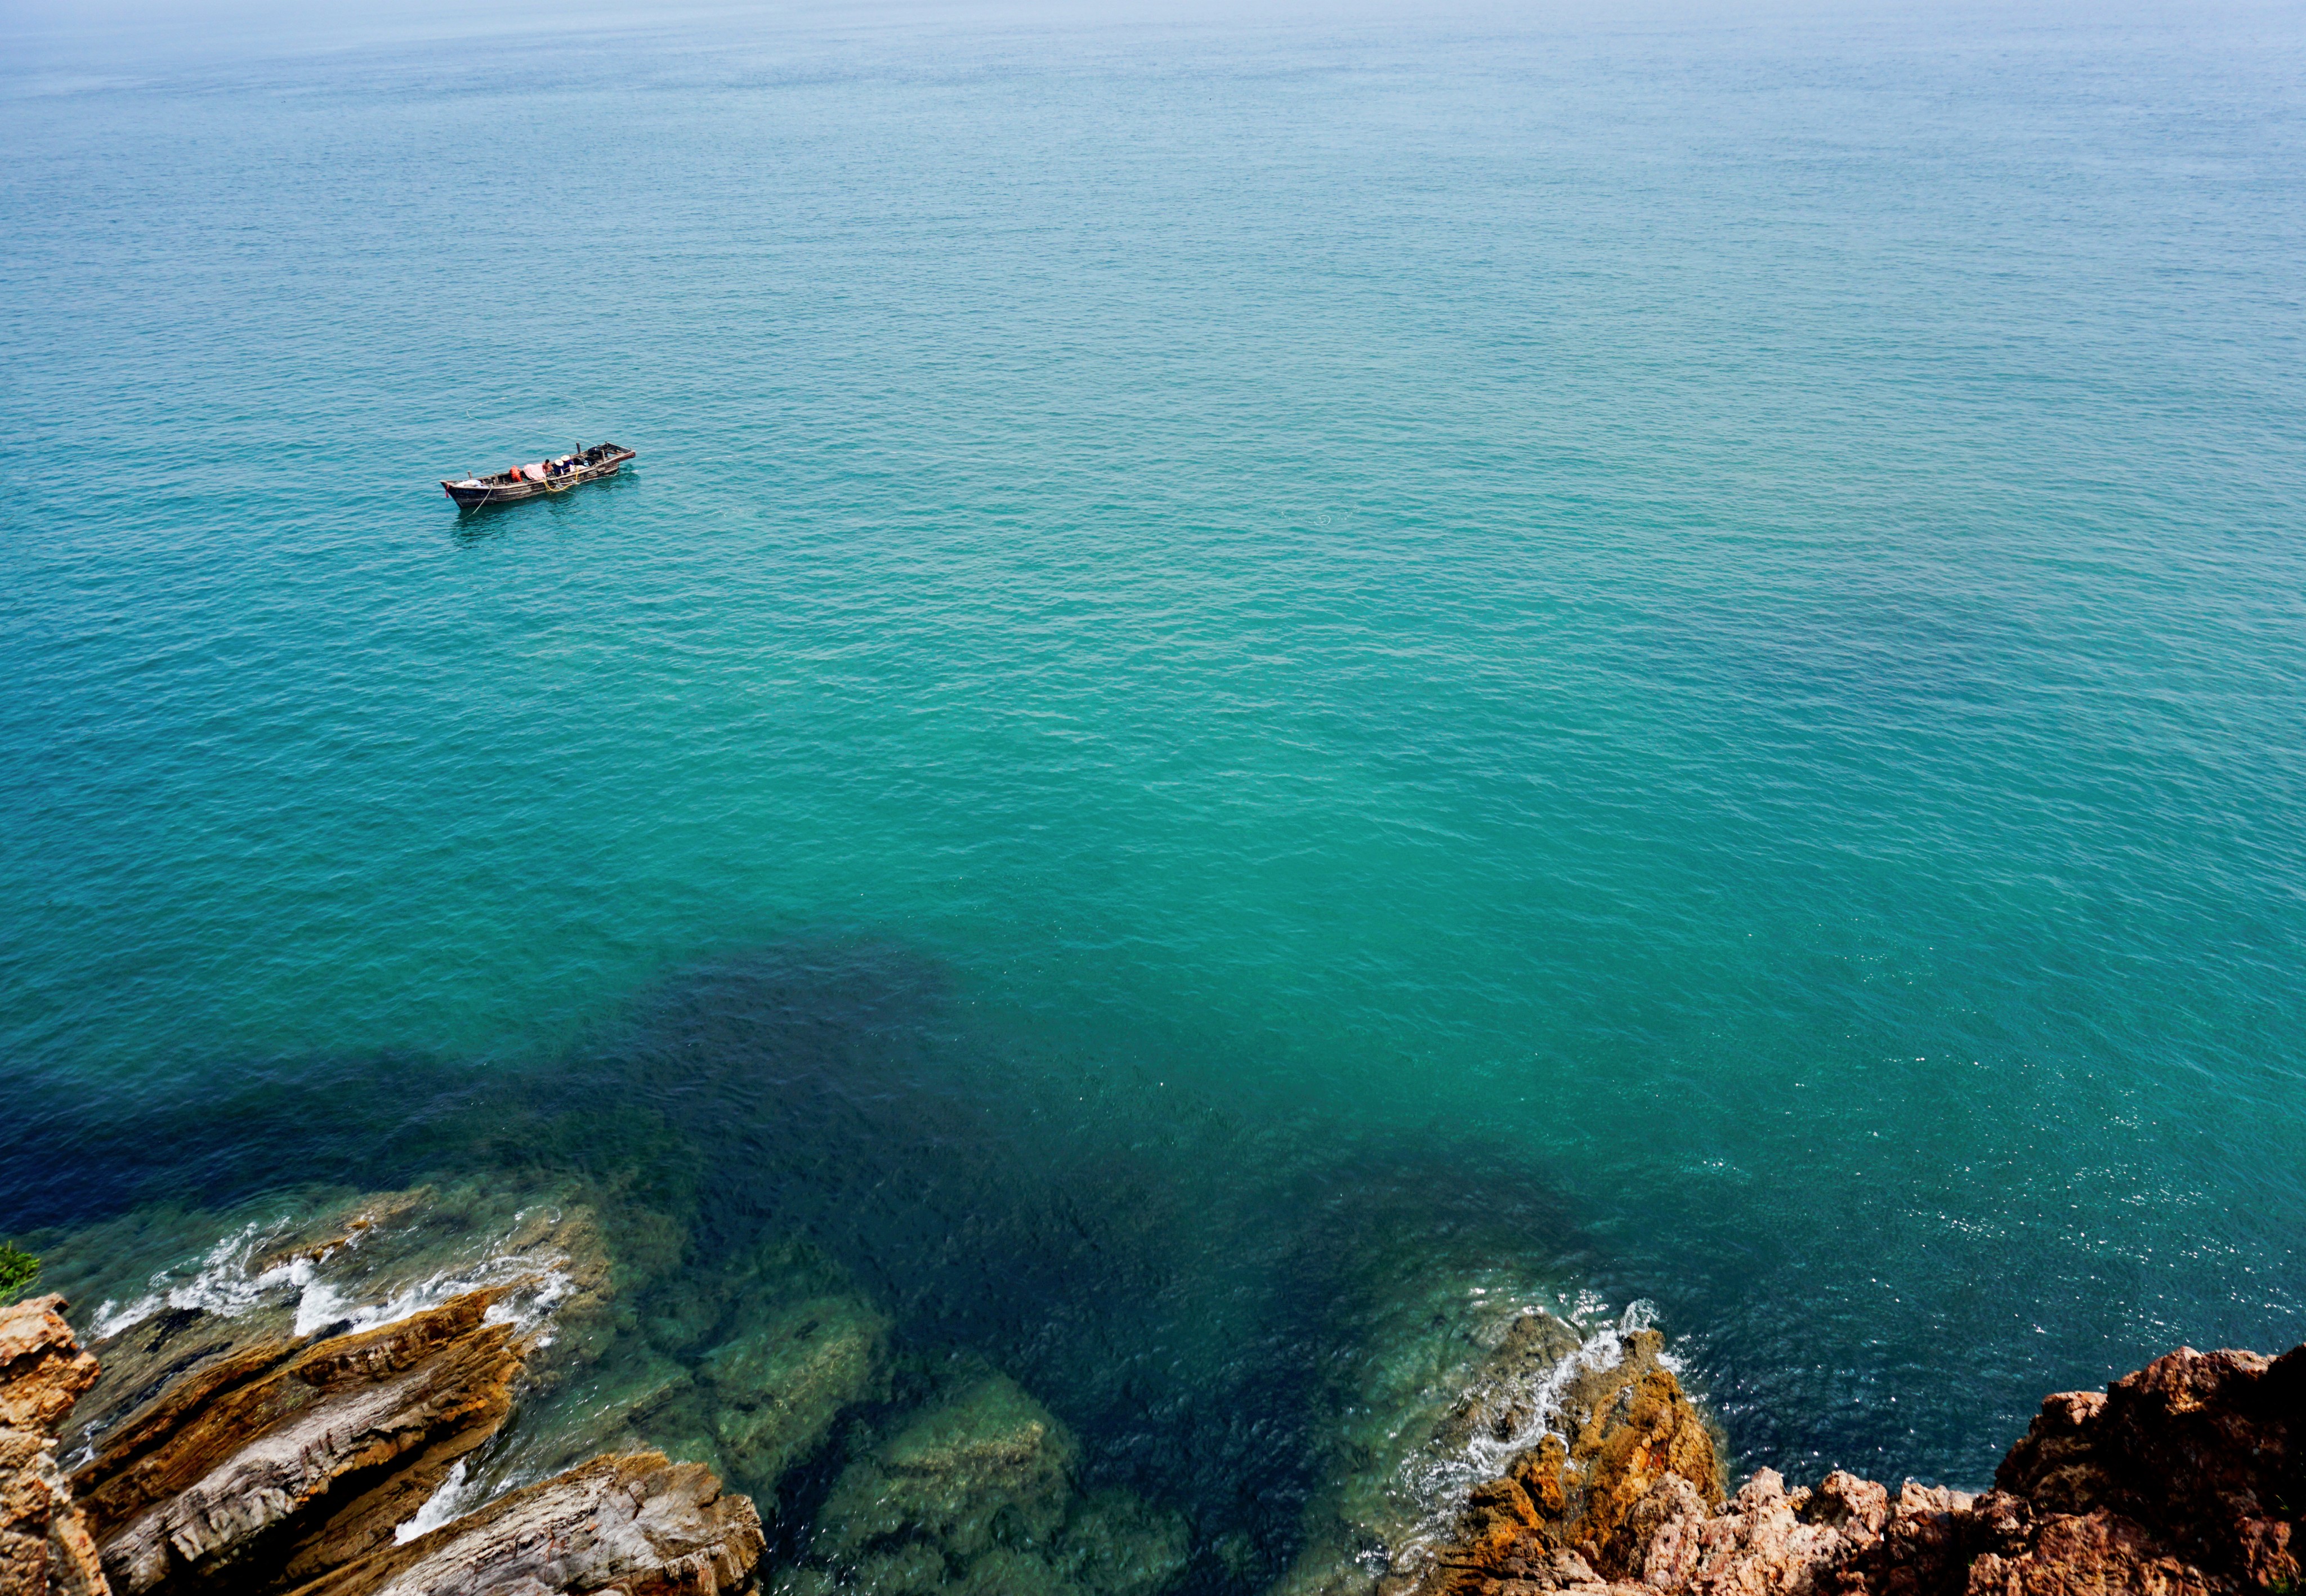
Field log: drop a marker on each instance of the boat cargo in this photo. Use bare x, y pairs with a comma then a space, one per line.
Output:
540, 477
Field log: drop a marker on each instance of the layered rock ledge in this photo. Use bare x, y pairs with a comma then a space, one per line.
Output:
473, 1388
239, 1453
279, 1460
634, 1525
271, 1463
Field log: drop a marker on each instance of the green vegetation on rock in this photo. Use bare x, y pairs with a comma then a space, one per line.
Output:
18, 1270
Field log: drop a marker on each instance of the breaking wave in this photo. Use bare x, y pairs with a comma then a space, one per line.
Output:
226, 1283
444, 1505
1439, 1481
244, 1272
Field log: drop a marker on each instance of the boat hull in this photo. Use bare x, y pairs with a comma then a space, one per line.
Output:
473, 496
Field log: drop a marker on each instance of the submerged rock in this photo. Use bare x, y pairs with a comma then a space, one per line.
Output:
976, 1493
783, 1384
986, 1468
631, 1400
798, 1346
1506, 1392
748, 1366
45, 1546
1119, 1544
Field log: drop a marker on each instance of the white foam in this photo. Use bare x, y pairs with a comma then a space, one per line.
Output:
227, 1284
444, 1505
223, 1284
324, 1304
1438, 1483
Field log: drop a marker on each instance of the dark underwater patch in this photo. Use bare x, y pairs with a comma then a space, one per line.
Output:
1189, 1288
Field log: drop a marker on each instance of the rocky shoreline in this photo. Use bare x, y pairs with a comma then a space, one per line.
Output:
344, 1412
290, 1464
2179, 1480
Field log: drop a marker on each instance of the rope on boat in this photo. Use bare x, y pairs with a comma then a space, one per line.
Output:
574, 477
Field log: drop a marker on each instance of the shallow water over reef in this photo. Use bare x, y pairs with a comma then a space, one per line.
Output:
789, 1173
769, 1230
1258, 672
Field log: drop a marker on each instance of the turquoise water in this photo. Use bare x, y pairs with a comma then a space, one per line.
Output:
1669, 651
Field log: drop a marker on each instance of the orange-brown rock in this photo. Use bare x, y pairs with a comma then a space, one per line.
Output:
2198, 1448
279, 1462
1574, 1504
45, 1548
2094, 1552
636, 1526
2181, 1480
265, 1465
1629, 1427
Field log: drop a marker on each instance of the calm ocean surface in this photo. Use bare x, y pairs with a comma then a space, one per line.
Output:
1671, 653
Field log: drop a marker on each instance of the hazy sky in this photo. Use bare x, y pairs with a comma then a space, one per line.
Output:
87, 34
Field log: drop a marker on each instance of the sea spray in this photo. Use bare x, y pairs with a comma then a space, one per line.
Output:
444, 1505
223, 1282
1441, 1479
1457, 1370
245, 1270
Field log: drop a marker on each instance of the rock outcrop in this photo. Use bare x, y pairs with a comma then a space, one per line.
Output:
1585, 1490
2197, 1449
2181, 1480
634, 1525
45, 1546
330, 1412
259, 1464
265, 1465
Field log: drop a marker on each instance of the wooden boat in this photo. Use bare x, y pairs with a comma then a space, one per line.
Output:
540, 477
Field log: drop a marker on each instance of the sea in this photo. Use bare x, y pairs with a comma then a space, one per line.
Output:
1257, 662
